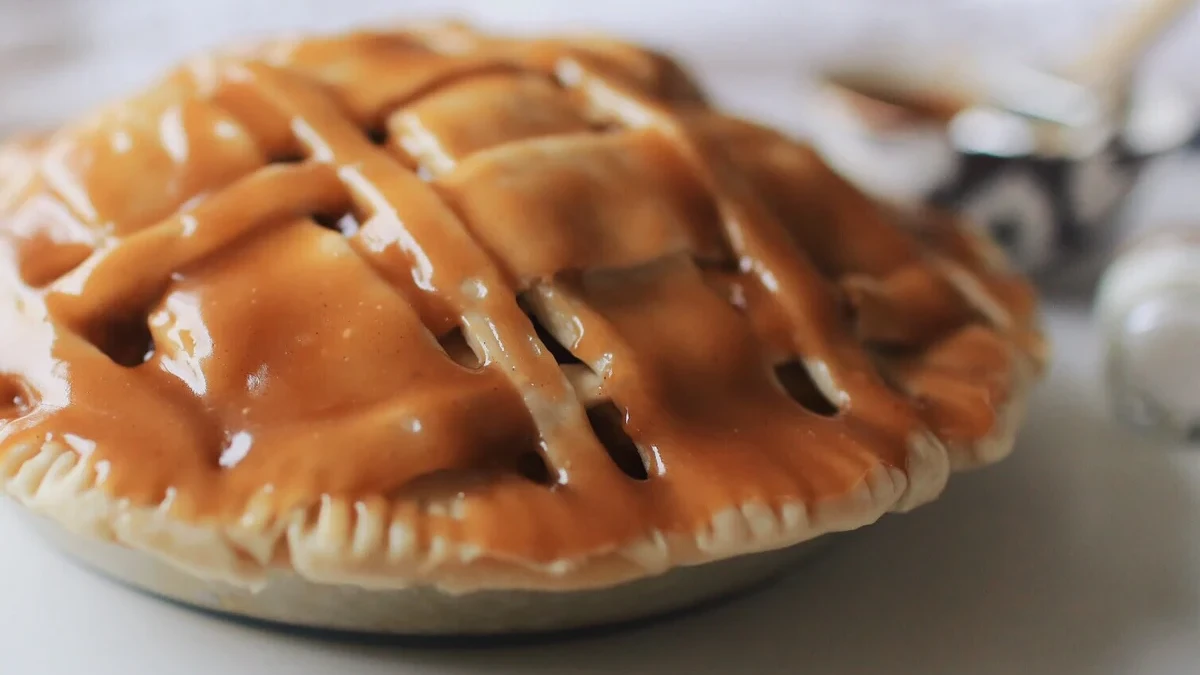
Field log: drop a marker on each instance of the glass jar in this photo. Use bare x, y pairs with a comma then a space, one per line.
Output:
1147, 310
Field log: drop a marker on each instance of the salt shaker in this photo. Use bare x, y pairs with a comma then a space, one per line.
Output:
1147, 309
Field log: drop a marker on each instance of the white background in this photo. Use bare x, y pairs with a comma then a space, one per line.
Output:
1079, 555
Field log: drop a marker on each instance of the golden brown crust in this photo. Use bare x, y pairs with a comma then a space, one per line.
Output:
414, 307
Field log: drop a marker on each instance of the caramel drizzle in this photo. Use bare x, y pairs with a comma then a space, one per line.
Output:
629, 293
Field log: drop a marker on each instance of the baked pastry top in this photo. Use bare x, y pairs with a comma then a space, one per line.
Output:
432, 306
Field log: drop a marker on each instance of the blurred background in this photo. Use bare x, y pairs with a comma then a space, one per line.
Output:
57, 56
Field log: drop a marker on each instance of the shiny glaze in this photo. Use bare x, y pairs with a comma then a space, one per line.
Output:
174, 313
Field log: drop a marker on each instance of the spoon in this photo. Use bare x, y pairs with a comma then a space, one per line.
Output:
1010, 109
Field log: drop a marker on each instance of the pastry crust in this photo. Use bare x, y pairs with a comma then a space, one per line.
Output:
546, 230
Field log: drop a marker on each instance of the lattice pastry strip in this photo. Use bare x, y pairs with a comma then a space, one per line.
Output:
535, 174
643, 69
182, 146
372, 73
467, 115
574, 203
978, 289
718, 384
400, 205
906, 290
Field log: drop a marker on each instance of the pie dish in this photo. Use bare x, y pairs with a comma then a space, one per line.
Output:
427, 330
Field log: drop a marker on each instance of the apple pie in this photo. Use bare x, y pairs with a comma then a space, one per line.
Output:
426, 308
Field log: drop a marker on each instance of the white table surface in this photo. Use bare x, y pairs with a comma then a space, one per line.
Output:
1078, 555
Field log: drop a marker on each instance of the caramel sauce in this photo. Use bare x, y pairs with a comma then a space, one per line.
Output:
171, 308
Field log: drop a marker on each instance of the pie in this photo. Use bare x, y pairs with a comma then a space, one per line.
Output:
425, 307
